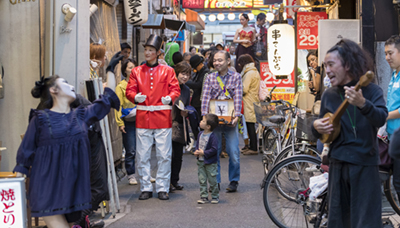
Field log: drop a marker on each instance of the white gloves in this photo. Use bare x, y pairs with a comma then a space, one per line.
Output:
165, 100
139, 98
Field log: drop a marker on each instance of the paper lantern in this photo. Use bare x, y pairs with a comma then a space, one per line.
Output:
231, 16
203, 17
270, 17
251, 16
221, 16
281, 49
212, 17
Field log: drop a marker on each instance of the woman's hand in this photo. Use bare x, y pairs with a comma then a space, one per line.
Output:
310, 84
122, 129
323, 126
19, 174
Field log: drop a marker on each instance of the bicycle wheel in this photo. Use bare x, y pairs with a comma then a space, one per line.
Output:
298, 149
269, 143
293, 208
391, 194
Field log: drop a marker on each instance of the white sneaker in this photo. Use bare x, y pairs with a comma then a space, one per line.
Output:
132, 180
152, 179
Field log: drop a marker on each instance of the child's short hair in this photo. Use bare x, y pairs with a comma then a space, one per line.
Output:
212, 120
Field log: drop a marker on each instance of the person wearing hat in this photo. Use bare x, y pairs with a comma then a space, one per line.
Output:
154, 88
220, 47
196, 83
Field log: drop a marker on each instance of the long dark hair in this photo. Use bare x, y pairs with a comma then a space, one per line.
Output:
124, 65
42, 90
353, 57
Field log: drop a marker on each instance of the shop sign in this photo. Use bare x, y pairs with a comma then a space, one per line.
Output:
136, 11
217, 4
291, 11
281, 49
12, 203
307, 29
284, 87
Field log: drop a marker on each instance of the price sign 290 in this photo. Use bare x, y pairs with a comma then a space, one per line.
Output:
307, 29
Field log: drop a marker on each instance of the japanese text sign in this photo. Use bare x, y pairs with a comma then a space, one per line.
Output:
281, 49
307, 29
12, 203
136, 11
217, 4
284, 87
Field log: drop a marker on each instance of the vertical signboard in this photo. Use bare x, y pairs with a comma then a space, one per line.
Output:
136, 11
12, 203
307, 29
284, 87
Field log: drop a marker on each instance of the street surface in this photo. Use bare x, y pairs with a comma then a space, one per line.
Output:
244, 208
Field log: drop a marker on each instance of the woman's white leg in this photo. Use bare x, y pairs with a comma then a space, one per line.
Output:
56, 221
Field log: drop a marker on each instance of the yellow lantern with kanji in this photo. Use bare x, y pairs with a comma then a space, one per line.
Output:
281, 49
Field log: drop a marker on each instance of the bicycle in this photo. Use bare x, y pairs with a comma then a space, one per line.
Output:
286, 193
275, 141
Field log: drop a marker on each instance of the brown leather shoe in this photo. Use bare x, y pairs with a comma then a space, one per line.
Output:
250, 152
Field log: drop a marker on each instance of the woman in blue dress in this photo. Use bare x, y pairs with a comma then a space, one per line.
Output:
55, 151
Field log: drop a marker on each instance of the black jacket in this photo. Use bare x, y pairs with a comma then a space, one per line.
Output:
196, 84
363, 149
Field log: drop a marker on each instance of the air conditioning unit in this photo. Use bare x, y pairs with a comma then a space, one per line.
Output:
332, 31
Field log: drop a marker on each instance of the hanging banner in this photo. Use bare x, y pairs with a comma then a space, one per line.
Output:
136, 11
193, 4
291, 11
307, 29
284, 87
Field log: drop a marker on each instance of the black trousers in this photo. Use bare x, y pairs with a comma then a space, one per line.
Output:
196, 131
396, 175
251, 130
355, 198
176, 162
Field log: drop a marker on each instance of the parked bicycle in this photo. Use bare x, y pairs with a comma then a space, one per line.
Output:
277, 117
287, 192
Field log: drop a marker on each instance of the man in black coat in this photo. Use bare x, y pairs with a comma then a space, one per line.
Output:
196, 84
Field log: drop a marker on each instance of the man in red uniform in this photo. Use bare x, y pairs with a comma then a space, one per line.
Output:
153, 88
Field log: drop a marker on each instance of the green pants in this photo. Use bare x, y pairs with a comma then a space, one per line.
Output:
208, 172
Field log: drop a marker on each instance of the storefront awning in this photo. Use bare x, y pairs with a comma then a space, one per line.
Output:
193, 18
176, 25
154, 21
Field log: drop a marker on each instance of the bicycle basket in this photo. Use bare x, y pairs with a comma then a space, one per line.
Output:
304, 121
265, 110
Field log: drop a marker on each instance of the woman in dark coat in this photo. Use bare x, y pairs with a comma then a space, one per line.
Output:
182, 71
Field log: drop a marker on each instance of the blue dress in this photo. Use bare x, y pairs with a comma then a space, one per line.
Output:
55, 154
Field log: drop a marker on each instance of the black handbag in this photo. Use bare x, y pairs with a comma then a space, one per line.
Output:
386, 160
178, 133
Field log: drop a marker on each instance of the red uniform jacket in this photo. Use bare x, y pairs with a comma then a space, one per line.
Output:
154, 82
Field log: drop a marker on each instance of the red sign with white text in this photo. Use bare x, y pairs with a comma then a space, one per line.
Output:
193, 4
284, 87
307, 29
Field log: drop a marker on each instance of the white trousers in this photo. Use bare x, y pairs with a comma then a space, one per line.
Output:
144, 141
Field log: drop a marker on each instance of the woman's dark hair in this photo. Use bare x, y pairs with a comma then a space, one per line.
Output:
42, 91
124, 65
245, 16
190, 49
125, 45
353, 57
244, 60
177, 57
184, 68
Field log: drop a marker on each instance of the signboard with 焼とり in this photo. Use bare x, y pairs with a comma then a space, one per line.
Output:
13, 203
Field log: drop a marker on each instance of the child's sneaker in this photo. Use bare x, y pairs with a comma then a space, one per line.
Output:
203, 200
215, 201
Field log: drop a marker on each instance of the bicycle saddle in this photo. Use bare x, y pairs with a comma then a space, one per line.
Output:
277, 119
